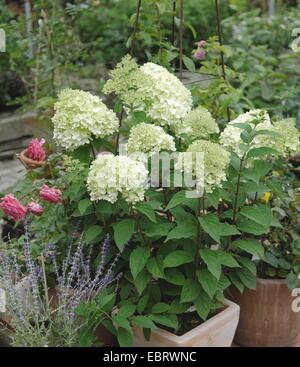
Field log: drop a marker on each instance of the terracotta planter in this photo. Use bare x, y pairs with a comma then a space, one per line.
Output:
29, 163
216, 332
267, 319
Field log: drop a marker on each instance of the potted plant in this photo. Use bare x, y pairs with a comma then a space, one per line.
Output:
274, 321
187, 231
185, 250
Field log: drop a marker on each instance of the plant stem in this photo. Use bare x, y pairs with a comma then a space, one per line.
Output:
237, 193
45, 283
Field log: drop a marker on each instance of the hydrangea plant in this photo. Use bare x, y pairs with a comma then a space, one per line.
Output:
184, 251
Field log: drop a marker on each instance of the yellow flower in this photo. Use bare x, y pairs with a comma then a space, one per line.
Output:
266, 197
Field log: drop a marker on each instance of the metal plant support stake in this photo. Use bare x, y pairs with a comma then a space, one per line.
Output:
181, 41
218, 17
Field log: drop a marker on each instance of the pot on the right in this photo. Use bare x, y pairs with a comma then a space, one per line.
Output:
266, 315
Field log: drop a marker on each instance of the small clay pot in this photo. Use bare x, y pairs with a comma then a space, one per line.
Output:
266, 318
28, 162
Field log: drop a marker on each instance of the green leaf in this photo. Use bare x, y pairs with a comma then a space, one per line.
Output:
236, 282
203, 305
224, 258
211, 225
185, 229
292, 280
165, 320
139, 116
84, 205
177, 199
228, 230
125, 338
138, 259
147, 210
247, 278
208, 282
248, 264
248, 226
83, 154
143, 302
259, 170
260, 152
251, 246
211, 260
260, 214
127, 310
92, 233
158, 229
190, 291
142, 280
155, 266
123, 231
177, 258
174, 276
144, 322
189, 63
160, 308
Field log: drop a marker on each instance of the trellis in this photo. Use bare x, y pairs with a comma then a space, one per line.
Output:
181, 70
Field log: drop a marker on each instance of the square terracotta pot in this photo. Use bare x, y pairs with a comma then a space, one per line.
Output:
216, 332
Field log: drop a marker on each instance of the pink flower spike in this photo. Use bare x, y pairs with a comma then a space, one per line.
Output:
35, 150
51, 195
200, 54
35, 208
12, 207
201, 43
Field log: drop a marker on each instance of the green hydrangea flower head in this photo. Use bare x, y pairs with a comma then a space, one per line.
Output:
149, 139
215, 163
199, 124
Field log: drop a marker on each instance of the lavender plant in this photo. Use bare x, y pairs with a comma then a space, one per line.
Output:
43, 317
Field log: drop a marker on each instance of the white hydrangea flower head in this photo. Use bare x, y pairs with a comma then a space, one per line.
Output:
231, 136
287, 141
215, 163
149, 139
79, 116
111, 175
199, 124
171, 101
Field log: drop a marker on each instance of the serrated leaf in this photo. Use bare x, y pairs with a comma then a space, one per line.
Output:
174, 276
251, 246
203, 305
138, 259
160, 308
247, 278
84, 205
144, 322
155, 266
211, 225
211, 260
147, 210
165, 320
228, 230
208, 282
177, 258
185, 229
92, 233
123, 231
125, 338
190, 291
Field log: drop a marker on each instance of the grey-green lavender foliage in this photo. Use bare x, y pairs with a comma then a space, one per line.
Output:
40, 317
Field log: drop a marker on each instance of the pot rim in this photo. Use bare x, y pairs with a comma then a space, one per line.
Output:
271, 281
231, 309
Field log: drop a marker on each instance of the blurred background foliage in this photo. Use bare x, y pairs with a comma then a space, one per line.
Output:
74, 43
